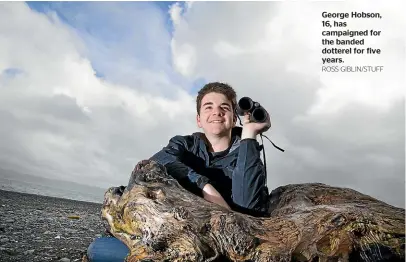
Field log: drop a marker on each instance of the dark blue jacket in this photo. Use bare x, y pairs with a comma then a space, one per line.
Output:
237, 173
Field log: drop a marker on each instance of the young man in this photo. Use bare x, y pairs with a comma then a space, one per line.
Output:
222, 164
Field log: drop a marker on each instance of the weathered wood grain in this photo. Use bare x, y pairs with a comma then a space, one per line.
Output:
160, 221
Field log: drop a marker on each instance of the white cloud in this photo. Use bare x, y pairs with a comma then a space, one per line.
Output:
65, 122
175, 12
184, 58
224, 49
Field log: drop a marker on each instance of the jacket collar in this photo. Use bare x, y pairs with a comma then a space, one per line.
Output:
235, 138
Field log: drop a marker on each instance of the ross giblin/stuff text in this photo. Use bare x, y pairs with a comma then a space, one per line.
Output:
352, 69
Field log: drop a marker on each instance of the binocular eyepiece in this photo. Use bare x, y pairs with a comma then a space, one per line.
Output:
247, 105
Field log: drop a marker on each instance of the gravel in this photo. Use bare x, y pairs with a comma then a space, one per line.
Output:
40, 228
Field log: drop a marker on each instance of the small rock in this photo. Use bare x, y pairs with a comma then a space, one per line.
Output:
47, 232
29, 252
69, 230
58, 237
64, 259
98, 235
11, 252
10, 221
4, 240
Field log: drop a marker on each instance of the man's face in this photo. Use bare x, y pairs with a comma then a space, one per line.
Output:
216, 114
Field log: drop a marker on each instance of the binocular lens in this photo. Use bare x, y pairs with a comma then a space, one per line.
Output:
259, 115
245, 104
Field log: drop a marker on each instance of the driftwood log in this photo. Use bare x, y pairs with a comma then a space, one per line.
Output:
160, 221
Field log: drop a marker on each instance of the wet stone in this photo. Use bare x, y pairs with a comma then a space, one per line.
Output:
29, 252
11, 252
4, 240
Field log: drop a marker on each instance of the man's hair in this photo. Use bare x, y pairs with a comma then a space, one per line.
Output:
216, 87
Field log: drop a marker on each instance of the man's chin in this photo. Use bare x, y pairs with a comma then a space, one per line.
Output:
217, 132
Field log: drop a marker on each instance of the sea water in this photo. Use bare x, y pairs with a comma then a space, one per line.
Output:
53, 188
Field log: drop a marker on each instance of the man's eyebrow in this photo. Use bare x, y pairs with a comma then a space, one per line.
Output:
211, 103
207, 103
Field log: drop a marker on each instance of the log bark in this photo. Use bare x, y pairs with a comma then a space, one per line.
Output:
161, 221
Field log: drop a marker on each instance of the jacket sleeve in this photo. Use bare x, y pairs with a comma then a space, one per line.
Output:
172, 157
249, 191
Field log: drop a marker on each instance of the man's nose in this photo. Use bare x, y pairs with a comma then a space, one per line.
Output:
217, 111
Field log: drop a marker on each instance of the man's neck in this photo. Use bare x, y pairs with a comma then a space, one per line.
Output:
218, 143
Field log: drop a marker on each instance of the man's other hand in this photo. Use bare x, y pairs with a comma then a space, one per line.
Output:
252, 129
213, 196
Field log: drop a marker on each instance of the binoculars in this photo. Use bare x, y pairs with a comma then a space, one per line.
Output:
247, 105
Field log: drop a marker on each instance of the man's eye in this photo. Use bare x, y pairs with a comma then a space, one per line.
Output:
226, 108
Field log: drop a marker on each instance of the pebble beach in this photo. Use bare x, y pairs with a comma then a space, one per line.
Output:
41, 228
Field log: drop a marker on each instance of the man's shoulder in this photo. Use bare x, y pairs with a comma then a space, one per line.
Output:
188, 141
191, 137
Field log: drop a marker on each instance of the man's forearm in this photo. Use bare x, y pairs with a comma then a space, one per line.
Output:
212, 195
248, 134
170, 157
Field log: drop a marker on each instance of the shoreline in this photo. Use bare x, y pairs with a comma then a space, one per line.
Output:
49, 196
45, 228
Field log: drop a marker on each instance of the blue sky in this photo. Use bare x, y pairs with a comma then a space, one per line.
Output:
122, 37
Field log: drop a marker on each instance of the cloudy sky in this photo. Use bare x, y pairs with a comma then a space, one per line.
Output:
89, 89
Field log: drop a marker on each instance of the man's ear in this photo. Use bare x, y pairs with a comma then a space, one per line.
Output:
199, 124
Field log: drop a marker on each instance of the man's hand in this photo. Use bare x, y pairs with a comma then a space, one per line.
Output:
212, 195
252, 129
